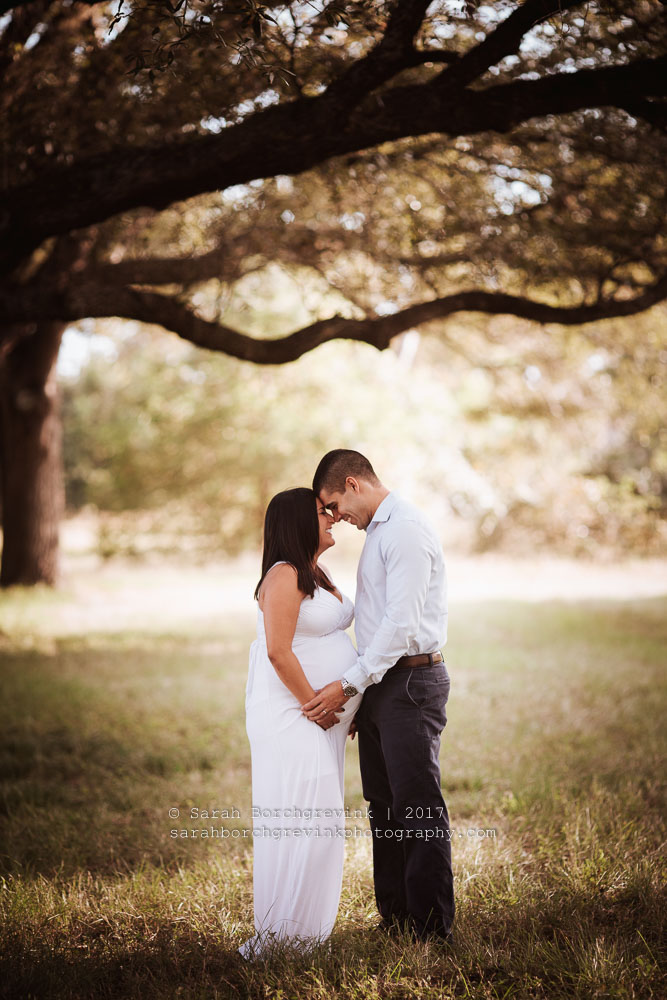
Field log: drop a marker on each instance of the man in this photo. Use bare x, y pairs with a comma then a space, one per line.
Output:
401, 623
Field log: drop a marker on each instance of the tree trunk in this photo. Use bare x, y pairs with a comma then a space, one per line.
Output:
31, 456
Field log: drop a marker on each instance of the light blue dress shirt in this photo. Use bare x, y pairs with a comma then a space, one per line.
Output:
401, 601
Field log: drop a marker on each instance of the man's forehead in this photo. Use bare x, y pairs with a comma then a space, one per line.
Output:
327, 497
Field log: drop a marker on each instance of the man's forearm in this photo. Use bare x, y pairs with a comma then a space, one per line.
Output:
390, 642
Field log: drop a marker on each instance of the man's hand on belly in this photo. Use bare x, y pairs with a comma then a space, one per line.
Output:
327, 701
328, 720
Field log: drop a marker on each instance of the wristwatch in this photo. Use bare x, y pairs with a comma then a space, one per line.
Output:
348, 689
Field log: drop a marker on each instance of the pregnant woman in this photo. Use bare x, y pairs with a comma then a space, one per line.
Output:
297, 764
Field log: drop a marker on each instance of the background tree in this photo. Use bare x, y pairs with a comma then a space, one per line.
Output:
178, 450
540, 194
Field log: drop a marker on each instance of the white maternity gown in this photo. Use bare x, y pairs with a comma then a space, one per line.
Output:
297, 781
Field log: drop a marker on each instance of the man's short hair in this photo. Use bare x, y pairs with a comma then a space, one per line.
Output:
337, 465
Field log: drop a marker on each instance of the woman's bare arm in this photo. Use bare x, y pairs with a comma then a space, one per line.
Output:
280, 600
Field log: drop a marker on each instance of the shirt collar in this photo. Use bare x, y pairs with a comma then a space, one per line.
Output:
383, 513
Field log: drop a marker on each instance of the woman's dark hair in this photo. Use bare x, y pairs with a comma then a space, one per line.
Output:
292, 534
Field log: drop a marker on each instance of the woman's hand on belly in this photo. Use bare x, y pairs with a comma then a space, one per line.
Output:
325, 721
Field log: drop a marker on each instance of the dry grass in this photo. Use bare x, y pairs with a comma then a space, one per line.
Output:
555, 741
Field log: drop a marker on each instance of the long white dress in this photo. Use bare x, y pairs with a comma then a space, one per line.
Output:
298, 782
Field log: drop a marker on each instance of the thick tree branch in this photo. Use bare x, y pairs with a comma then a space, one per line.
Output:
224, 261
217, 263
392, 54
31, 5
504, 40
378, 331
295, 137
417, 57
18, 31
654, 112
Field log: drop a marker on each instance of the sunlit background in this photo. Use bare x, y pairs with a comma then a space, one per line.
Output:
558, 446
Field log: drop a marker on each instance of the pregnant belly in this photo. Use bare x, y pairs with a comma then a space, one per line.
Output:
325, 658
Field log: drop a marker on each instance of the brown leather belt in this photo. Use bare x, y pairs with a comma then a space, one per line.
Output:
420, 660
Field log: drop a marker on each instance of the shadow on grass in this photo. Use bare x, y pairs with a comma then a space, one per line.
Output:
97, 742
551, 944
160, 968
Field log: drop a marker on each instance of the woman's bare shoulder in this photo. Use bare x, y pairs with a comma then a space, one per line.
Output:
282, 571
280, 579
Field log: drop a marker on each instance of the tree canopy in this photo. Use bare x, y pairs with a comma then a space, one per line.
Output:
529, 136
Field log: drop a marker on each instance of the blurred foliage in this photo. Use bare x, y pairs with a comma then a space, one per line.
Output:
509, 439
200, 443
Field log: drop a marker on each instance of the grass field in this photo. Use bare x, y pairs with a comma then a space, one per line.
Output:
553, 771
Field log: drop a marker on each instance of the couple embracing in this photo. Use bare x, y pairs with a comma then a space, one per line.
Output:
308, 688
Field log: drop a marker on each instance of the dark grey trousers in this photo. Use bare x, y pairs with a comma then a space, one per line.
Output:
399, 724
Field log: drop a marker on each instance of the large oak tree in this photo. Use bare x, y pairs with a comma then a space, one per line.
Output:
530, 135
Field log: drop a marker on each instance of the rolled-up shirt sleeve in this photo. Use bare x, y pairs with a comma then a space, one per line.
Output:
406, 553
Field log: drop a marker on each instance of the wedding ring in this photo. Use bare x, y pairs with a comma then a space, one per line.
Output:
324, 711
